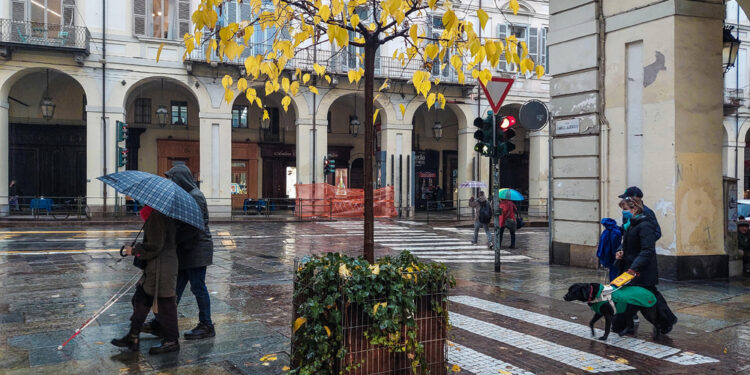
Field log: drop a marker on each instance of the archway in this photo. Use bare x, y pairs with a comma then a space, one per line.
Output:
436, 168
346, 143
47, 154
163, 119
263, 151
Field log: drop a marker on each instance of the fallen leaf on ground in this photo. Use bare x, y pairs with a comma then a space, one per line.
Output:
504, 372
588, 368
455, 368
99, 343
285, 368
268, 357
725, 350
622, 360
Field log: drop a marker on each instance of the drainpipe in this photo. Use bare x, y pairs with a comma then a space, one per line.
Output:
104, 101
603, 122
737, 116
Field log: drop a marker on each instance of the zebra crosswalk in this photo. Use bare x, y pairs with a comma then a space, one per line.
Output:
424, 243
568, 352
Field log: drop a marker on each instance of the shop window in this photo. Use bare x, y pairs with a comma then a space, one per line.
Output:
179, 113
142, 111
239, 116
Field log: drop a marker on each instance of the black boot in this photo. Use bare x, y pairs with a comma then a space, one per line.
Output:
201, 331
165, 347
153, 327
129, 341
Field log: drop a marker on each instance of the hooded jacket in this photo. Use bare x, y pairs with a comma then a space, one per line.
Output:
195, 248
609, 243
639, 251
476, 203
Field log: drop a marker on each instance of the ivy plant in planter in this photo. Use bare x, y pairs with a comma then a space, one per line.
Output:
352, 317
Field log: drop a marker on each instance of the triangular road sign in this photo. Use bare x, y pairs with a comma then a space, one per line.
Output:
496, 90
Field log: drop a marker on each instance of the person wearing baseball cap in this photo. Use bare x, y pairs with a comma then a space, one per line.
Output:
635, 191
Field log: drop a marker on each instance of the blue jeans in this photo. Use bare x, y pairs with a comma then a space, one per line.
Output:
486, 227
197, 279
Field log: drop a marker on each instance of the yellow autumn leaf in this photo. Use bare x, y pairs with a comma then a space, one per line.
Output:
371, 27
226, 81
313, 89
588, 368
269, 88
622, 361
328, 331
384, 85
228, 95
285, 368
354, 20
377, 306
250, 94
305, 78
301, 320
294, 88
375, 268
375, 115
485, 76
285, 84
241, 84
403, 109
285, 102
319, 69
503, 372
324, 12
483, 17
513, 5
327, 78
456, 368
430, 102
158, 52
431, 4
352, 76
539, 71
260, 105
266, 117
431, 51
344, 271
413, 34
268, 357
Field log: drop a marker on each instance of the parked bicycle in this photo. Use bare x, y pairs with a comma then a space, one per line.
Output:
76, 206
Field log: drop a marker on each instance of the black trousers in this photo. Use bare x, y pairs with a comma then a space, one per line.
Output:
142, 303
512, 237
666, 316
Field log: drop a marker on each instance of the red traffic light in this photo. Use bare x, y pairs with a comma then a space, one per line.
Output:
507, 122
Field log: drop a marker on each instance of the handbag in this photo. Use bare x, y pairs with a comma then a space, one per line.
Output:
519, 221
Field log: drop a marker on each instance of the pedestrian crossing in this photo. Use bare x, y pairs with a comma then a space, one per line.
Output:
422, 242
531, 354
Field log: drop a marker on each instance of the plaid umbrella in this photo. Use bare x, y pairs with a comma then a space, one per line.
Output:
159, 193
473, 184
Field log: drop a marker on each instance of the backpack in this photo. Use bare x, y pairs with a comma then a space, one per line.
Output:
485, 214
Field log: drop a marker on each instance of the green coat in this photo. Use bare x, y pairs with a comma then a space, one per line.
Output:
624, 296
159, 250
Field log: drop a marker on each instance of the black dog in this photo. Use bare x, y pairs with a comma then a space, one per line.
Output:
620, 323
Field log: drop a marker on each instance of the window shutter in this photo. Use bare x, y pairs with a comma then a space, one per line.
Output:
139, 17
231, 12
183, 18
69, 12
534, 44
502, 33
543, 50
18, 10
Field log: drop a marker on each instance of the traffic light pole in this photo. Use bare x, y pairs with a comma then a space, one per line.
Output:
494, 198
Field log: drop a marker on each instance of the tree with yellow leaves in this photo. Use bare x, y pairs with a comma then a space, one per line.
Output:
309, 23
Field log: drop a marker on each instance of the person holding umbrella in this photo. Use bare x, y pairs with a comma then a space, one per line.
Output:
195, 250
508, 215
157, 256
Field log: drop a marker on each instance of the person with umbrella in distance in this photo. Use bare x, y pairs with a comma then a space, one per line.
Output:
164, 204
195, 250
157, 255
508, 215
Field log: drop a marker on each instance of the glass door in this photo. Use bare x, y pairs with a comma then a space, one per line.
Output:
239, 188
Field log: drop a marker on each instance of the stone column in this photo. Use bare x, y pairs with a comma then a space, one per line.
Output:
304, 150
101, 139
396, 141
216, 162
538, 172
4, 167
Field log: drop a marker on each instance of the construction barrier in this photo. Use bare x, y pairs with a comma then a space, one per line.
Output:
328, 201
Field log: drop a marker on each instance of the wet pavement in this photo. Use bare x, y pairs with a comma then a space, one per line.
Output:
514, 322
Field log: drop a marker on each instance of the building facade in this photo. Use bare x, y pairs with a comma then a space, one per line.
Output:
637, 95
95, 61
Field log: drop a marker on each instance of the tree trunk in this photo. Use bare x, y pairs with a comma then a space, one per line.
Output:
369, 246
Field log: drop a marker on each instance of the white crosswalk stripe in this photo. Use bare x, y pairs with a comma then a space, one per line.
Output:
428, 245
480, 364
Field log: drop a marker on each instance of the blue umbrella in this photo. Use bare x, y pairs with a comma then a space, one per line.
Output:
509, 194
159, 193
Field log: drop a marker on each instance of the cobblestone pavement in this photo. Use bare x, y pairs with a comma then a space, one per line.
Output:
514, 322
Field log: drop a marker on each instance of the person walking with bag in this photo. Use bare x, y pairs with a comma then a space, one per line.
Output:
482, 217
508, 219
195, 250
157, 257
638, 258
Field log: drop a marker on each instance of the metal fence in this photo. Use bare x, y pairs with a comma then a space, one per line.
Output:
44, 35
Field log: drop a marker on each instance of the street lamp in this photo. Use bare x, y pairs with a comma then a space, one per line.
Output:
354, 120
437, 130
729, 51
47, 106
162, 115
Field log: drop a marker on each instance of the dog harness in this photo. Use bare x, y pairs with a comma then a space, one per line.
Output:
620, 298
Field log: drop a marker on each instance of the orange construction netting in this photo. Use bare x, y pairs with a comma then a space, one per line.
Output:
323, 200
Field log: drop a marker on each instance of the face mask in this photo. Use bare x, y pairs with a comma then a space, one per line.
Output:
627, 215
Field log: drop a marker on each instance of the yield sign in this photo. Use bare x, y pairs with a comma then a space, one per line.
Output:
496, 90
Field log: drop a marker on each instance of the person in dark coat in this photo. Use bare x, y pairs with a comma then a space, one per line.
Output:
638, 258
743, 243
634, 191
609, 243
159, 252
195, 250
13, 193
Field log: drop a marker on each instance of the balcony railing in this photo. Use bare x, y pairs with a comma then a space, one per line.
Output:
27, 34
339, 63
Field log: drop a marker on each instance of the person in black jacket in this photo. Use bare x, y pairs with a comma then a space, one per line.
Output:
634, 191
195, 251
638, 258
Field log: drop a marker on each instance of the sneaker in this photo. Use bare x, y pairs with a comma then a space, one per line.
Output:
201, 331
153, 327
165, 347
